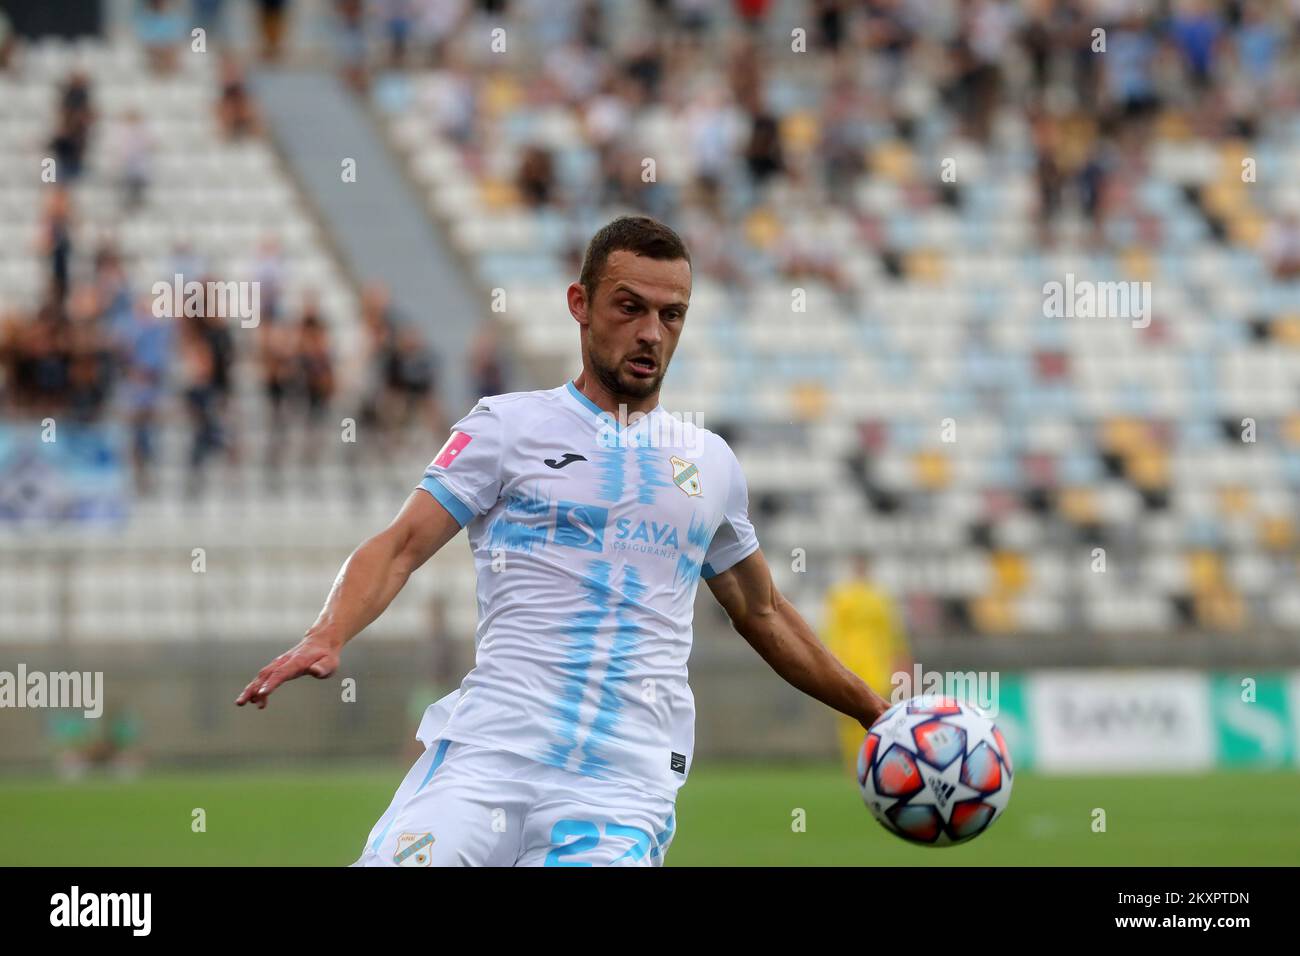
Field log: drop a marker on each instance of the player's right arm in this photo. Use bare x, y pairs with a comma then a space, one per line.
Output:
364, 587
462, 481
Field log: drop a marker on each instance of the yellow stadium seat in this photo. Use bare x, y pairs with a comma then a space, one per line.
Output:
894, 161
800, 131
1010, 572
501, 94
1149, 468
1287, 330
1246, 229
810, 400
1291, 428
933, 470
993, 614
926, 265
497, 194
1204, 571
1276, 533
1234, 500
1221, 610
1078, 504
762, 228
1123, 435
1137, 264
1224, 198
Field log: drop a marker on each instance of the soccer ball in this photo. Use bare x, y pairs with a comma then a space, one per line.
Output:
935, 771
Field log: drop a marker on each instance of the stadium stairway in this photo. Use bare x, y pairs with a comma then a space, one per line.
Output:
377, 223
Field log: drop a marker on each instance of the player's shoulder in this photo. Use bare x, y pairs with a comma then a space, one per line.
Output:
708, 444
513, 404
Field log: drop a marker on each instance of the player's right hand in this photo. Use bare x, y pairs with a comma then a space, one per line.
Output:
308, 656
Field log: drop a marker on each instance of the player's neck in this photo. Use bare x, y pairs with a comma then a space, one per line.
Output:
611, 402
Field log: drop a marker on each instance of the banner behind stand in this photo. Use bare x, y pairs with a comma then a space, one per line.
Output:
1130, 721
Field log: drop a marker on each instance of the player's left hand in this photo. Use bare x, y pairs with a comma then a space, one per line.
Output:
308, 656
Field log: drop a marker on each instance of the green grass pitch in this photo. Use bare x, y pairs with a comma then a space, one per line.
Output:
727, 815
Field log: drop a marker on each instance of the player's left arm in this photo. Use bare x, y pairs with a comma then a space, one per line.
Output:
772, 626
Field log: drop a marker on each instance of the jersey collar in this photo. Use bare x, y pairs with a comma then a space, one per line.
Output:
600, 414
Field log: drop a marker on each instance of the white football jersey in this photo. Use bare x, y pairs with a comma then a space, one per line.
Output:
589, 541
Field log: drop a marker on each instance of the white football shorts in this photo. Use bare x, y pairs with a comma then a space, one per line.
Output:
465, 805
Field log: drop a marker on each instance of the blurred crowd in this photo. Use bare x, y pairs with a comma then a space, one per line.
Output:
804, 142
1085, 82
759, 130
99, 348
766, 119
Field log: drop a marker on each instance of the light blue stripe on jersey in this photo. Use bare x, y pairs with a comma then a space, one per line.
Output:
513, 535
690, 561
610, 462
443, 495
612, 465
582, 630
653, 470
610, 699
592, 406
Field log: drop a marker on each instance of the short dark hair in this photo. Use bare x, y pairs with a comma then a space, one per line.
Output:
640, 235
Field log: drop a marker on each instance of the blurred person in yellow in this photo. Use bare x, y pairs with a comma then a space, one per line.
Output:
863, 629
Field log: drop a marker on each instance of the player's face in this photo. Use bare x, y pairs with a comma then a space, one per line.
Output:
632, 322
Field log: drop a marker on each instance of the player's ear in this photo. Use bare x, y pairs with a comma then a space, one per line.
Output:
578, 302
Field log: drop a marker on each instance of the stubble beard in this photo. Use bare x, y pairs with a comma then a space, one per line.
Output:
623, 386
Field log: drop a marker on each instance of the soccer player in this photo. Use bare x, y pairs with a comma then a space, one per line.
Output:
592, 514
864, 632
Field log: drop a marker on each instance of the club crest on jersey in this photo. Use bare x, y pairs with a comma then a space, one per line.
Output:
686, 476
413, 849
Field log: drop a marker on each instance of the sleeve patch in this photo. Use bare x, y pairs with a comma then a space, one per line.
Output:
449, 452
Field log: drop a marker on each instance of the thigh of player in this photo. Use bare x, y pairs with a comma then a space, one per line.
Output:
469, 812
